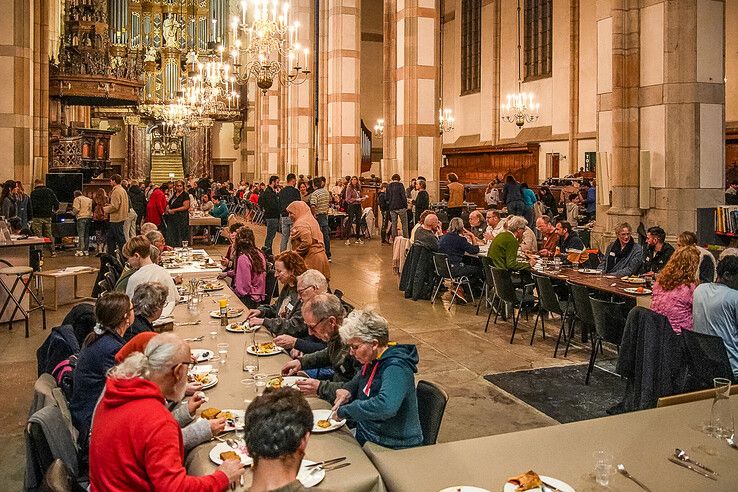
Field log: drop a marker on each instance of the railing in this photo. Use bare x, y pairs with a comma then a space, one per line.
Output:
366, 148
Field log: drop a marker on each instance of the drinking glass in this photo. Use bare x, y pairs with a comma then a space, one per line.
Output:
721, 419
603, 467
185, 244
193, 304
213, 335
260, 381
250, 363
250, 393
223, 352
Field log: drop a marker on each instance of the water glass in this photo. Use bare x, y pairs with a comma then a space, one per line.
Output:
223, 352
213, 335
603, 467
193, 304
250, 363
721, 419
260, 381
185, 244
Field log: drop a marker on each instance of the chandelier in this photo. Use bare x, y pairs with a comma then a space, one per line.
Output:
210, 90
446, 120
520, 108
272, 51
379, 128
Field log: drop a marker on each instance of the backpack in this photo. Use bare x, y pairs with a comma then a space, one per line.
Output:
63, 375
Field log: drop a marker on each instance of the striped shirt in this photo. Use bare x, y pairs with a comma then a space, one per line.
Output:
320, 199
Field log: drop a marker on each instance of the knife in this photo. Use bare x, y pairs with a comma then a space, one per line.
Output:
326, 462
336, 467
690, 467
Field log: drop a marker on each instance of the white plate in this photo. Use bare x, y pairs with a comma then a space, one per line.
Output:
202, 355
464, 488
562, 486
237, 422
591, 271
287, 381
232, 313
209, 382
241, 327
200, 369
250, 349
633, 280
322, 415
215, 286
222, 447
634, 290
309, 477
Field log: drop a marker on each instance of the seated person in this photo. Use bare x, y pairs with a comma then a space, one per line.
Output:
549, 234
249, 271
157, 239
706, 271
674, 288
128, 452
529, 243
623, 257
285, 315
147, 227
495, 225
206, 205
148, 271
324, 315
568, 237
415, 228
226, 260
309, 284
114, 314
128, 270
148, 301
456, 244
503, 252
277, 428
572, 209
477, 226
715, 308
381, 398
657, 252
220, 210
427, 234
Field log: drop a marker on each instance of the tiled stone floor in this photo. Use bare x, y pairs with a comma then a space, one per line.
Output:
454, 352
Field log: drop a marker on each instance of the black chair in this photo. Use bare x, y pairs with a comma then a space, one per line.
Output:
432, 401
443, 270
112, 270
548, 302
609, 323
488, 291
582, 312
706, 359
112, 279
271, 284
521, 299
104, 286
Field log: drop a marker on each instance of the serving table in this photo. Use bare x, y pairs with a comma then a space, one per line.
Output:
194, 267
66, 284
642, 441
361, 476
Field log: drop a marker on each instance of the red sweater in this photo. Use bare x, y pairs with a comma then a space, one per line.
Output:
136, 445
156, 207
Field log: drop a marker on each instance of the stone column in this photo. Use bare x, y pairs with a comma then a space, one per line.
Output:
268, 133
41, 86
389, 142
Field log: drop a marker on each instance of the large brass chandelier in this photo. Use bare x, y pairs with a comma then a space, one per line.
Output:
271, 50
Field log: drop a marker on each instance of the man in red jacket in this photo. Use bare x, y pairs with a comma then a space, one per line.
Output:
135, 444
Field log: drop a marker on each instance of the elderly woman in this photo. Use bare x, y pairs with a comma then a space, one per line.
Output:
128, 452
309, 284
381, 397
148, 301
283, 317
177, 215
307, 238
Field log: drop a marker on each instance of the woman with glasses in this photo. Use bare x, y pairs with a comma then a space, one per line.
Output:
178, 216
113, 315
381, 397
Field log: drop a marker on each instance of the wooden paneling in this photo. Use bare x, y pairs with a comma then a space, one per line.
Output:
483, 164
731, 156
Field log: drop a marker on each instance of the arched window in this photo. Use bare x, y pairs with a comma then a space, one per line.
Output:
471, 46
538, 38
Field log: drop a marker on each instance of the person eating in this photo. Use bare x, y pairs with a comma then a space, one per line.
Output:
623, 257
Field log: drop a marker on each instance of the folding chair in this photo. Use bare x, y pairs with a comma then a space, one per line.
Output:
519, 299
443, 270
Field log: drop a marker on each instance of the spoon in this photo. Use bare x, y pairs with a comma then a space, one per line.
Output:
624, 472
682, 455
731, 441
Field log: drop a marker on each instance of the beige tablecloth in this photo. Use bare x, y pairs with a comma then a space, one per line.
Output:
231, 393
642, 441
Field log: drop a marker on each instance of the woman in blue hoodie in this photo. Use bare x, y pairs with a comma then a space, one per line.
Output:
380, 398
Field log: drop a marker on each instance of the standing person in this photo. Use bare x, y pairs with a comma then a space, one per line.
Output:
590, 201
492, 195
384, 210
550, 202
512, 195
307, 238
353, 202
7, 199
100, 220
288, 195
178, 216
129, 225
455, 196
117, 212
157, 205
269, 203
43, 205
82, 209
397, 204
304, 194
530, 199
137, 200
320, 201
422, 199
22, 205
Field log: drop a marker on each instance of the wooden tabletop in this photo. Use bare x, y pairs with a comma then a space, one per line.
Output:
205, 220
597, 281
31, 241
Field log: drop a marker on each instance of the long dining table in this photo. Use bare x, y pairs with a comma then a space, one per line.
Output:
608, 284
229, 392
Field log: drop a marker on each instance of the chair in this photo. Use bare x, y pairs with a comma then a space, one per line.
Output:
432, 401
19, 272
488, 291
43, 449
707, 359
443, 270
582, 312
521, 298
549, 302
270, 286
114, 272
609, 323
104, 286
112, 279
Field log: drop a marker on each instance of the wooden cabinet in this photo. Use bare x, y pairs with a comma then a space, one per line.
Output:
482, 164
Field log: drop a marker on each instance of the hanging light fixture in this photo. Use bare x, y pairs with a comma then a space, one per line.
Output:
520, 107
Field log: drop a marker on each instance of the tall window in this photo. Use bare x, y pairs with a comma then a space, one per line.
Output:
538, 38
471, 45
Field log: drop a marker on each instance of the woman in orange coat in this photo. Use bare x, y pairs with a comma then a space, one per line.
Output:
307, 238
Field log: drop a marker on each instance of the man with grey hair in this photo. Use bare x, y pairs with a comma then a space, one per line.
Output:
148, 302
323, 316
503, 252
477, 225
427, 234
458, 245
495, 225
309, 284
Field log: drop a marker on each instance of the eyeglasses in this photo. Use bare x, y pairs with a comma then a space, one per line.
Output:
356, 346
300, 291
312, 327
189, 365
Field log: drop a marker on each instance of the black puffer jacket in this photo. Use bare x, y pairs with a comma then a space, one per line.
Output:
137, 200
418, 278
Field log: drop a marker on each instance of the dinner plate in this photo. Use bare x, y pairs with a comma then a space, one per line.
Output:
250, 349
562, 486
222, 447
634, 290
213, 286
232, 313
323, 415
310, 477
201, 369
633, 280
464, 488
210, 381
241, 327
202, 355
286, 381
238, 419
591, 271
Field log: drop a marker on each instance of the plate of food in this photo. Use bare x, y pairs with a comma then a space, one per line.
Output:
241, 327
202, 355
532, 481
234, 418
285, 381
212, 286
223, 451
637, 290
208, 380
590, 271
232, 313
266, 348
321, 422
464, 488
633, 280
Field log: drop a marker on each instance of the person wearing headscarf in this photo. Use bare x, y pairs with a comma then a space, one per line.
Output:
307, 238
